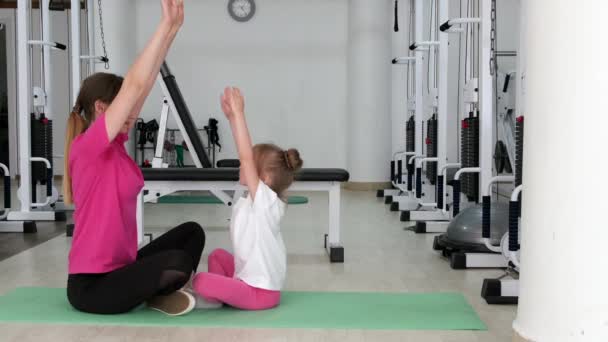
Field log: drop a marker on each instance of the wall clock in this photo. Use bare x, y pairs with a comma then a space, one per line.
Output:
241, 10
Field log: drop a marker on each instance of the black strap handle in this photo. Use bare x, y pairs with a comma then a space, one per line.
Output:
440, 194
396, 27
513, 226
60, 46
486, 216
49, 182
400, 171
456, 195
7, 192
393, 175
419, 182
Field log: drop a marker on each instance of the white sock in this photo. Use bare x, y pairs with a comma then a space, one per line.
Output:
202, 303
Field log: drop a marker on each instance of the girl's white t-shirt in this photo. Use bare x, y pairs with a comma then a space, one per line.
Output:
259, 252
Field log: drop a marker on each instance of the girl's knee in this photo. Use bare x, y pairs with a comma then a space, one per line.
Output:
200, 283
219, 253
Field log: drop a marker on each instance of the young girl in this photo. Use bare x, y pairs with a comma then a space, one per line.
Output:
252, 278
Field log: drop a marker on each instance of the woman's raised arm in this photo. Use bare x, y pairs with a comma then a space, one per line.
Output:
141, 76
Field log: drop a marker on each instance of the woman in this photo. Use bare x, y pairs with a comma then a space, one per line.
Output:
107, 275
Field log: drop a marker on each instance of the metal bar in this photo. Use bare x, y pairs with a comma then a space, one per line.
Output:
91, 31
24, 102
486, 97
334, 215
76, 52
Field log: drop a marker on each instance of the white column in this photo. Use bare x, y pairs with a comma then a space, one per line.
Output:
399, 74
48, 70
91, 13
486, 98
369, 93
442, 91
24, 102
419, 78
75, 35
563, 276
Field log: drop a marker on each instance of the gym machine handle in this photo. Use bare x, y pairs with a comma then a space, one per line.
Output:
413, 47
456, 195
486, 216
60, 46
104, 59
7, 189
419, 182
440, 192
394, 61
7, 192
445, 26
400, 171
393, 176
49, 182
410, 181
513, 226
396, 28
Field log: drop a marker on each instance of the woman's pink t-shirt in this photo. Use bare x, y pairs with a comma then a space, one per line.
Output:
105, 185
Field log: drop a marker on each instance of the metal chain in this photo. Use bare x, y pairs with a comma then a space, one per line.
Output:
103, 37
493, 65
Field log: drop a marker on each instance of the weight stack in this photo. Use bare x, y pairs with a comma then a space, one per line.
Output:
410, 140
519, 150
470, 156
42, 147
431, 149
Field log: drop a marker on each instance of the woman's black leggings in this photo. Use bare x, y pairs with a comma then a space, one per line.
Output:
162, 267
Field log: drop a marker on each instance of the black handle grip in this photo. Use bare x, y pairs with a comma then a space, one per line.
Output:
410, 181
413, 47
393, 176
456, 195
104, 59
445, 26
400, 171
486, 216
7, 192
60, 46
394, 61
440, 195
513, 226
419, 182
396, 27
49, 182
505, 87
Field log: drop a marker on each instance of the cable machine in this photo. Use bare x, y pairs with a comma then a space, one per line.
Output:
34, 110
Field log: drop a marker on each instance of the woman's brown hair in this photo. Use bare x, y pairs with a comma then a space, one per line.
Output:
98, 87
278, 165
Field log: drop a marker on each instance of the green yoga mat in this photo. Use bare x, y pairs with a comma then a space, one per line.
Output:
183, 199
305, 310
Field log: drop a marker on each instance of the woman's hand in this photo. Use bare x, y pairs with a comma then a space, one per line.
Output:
233, 103
173, 12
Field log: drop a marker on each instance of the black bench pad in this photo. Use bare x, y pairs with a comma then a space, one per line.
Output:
232, 174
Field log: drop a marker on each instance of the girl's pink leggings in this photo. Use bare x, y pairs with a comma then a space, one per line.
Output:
220, 285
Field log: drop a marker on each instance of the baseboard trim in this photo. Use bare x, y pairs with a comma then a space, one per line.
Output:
366, 186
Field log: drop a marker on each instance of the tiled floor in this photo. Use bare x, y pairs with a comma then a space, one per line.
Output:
380, 256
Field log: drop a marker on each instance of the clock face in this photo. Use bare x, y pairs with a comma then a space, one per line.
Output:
241, 10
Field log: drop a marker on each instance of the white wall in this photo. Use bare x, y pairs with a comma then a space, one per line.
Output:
290, 61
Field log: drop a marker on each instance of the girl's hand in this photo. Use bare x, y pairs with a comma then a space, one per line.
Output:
173, 12
233, 103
